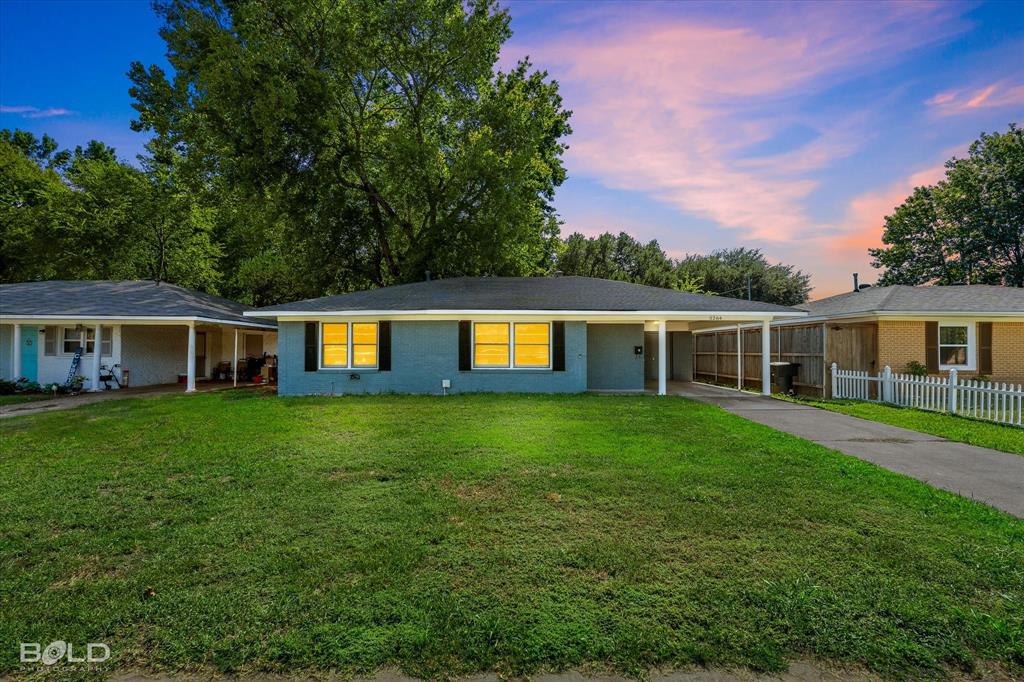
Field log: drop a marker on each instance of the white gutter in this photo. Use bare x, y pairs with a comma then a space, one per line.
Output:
139, 318
924, 314
870, 315
462, 314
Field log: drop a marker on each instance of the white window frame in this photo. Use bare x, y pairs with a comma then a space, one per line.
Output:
511, 346
348, 340
972, 352
83, 336
62, 339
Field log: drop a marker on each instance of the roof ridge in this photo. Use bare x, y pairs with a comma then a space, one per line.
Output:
889, 294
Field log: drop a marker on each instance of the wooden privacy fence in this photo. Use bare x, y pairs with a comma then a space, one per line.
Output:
986, 400
715, 359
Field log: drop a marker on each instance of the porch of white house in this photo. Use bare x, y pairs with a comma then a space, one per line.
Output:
136, 352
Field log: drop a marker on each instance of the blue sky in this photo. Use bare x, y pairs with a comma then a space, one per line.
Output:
793, 128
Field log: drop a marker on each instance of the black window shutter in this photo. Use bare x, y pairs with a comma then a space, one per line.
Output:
558, 346
384, 346
985, 348
311, 341
465, 346
931, 346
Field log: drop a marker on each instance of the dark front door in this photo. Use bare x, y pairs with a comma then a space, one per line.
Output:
651, 356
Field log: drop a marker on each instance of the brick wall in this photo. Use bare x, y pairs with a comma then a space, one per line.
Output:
900, 342
1008, 351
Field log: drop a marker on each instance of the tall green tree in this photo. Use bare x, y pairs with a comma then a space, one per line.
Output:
31, 192
618, 257
88, 215
728, 272
967, 229
382, 134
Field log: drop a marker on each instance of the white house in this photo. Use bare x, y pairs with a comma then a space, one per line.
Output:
145, 332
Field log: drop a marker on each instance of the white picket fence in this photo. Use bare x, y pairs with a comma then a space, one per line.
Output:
969, 397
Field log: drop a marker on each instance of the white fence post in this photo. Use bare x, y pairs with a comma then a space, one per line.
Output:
969, 397
951, 403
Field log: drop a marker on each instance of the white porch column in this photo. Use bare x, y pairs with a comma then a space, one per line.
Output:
234, 360
739, 357
766, 357
16, 353
97, 351
190, 384
662, 357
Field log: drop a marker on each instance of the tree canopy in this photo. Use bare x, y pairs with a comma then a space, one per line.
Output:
617, 257
724, 272
739, 271
85, 214
968, 228
376, 140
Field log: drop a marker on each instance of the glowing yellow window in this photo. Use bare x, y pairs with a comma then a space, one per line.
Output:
364, 344
334, 352
490, 344
532, 344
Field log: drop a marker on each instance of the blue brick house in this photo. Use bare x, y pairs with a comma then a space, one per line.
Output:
500, 334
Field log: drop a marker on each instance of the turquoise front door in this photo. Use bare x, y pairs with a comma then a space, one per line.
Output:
29, 352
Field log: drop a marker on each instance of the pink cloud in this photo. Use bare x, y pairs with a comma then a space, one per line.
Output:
994, 95
838, 252
667, 106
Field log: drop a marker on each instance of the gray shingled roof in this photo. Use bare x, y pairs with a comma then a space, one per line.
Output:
118, 298
965, 298
526, 293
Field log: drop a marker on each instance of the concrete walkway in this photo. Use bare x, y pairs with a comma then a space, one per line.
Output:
990, 476
67, 402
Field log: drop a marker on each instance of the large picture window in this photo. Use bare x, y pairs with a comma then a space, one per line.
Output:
955, 342
346, 346
532, 344
491, 344
334, 344
507, 345
364, 344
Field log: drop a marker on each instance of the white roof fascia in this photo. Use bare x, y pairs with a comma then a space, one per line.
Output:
145, 319
625, 315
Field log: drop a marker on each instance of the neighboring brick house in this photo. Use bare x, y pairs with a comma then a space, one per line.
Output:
976, 329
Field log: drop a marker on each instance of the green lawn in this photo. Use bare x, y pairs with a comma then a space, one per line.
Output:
18, 398
241, 532
961, 429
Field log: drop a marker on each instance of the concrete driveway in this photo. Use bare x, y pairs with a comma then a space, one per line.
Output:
990, 476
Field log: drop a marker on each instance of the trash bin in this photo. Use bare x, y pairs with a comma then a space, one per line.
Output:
784, 375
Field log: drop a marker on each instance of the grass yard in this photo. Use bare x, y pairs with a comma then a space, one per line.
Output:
241, 532
18, 398
961, 429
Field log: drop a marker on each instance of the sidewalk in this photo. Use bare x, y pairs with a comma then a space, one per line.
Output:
990, 476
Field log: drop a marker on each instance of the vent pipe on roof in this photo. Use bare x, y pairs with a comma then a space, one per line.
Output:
557, 273
856, 285
428, 275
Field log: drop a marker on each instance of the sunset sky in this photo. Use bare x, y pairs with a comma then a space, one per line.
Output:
793, 128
